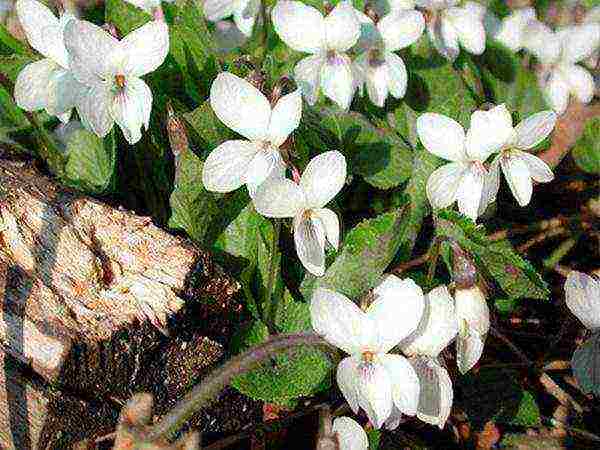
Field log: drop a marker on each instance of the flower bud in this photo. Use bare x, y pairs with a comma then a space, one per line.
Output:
473, 317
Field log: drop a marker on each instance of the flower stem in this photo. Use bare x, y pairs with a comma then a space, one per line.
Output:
214, 383
270, 303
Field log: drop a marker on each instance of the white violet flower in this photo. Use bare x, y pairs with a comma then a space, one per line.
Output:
519, 167
378, 66
371, 378
582, 295
111, 69
473, 317
349, 434
461, 180
449, 24
244, 12
437, 329
510, 30
559, 52
322, 179
244, 109
48, 83
303, 28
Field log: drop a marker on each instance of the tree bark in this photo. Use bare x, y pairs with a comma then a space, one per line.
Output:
90, 294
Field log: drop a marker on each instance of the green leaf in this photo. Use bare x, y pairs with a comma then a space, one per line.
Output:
205, 129
434, 85
506, 80
381, 157
12, 65
498, 259
91, 162
286, 377
374, 437
587, 148
495, 394
586, 365
9, 45
125, 16
367, 251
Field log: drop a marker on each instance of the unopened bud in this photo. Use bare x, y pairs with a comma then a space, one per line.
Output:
464, 271
177, 136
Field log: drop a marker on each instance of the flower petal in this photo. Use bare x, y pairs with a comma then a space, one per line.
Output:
438, 326
292, 19
31, 87
444, 37
580, 81
397, 75
538, 169
309, 238
307, 74
488, 133
145, 48
377, 81
533, 130
342, 28
517, 176
469, 27
579, 41
43, 30
240, 106
401, 28
279, 198
89, 48
264, 165
245, 16
469, 349
491, 185
435, 396
443, 184
405, 383
340, 321
469, 193
225, 168
131, 109
63, 94
582, 295
218, 9
350, 435
347, 380
285, 117
375, 392
510, 30
94, 109
337, 80
323, 178
442, 136
331, 225
540, 40
397, 310
556, 91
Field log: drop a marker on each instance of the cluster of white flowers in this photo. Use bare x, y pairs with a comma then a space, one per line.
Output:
386, 385
88, 69
558, 52
465, 179
391, 26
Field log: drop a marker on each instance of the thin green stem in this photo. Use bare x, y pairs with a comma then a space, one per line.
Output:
214, 383
270, 302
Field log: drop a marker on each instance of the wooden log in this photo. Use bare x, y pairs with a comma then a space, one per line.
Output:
89, 293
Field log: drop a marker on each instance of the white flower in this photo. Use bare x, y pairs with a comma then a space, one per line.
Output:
111, 69
371, 378
461, 180
473, 318
244, 109
6, 6
582, 295
349, 434
448, 25
519, 167
322, 179
244, 12
148, 5
378, 66
304, 29
558, 53
593, 16
437, 329
48, 83
509, 31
